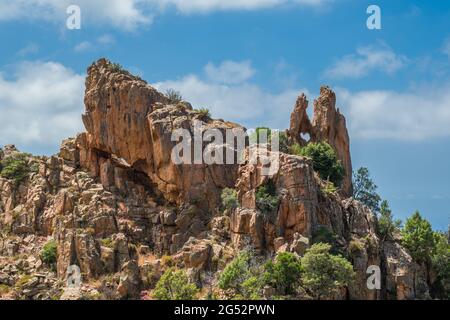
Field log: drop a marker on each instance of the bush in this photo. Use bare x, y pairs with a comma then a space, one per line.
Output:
204, 113
284, 142
325, 161
236, 273
261, 134
174, 96
267, 200
229, 199
175, 285
49, 253
15, 167
323, 274
242, 276
386, 224
418, 238
284, 273
329, 188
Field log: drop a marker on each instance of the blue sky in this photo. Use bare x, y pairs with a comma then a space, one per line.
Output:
247, 61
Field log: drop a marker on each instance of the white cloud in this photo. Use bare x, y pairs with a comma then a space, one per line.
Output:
31, 48
120, 13
204, 6
83, 46
102, 41
130, 14
230, 72
243, 102
415, 115
367, 59
40, 105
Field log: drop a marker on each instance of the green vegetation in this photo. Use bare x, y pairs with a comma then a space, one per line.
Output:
229, 199
267, 199
174, 96
440, 260
386, 223
323, 273
365, 190
174, 285
284, 273
236, 273
204, 113
284, 143
15, 167
329, 188
418, 238
4, 289
324, 159
49, 253
116, 67
261, 135
323, 235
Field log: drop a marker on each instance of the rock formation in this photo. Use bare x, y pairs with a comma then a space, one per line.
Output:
121, 210
328, 125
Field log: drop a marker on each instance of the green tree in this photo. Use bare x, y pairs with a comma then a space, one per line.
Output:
15, 167
49, 253
323, 273
418, 238
174, 285
236, 272
267, 199
229, 199
386, 223
325, 161
365, 190
284, 273
243, 276
440, 261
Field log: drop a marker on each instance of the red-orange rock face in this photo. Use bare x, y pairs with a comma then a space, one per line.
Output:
130, 124
329, 126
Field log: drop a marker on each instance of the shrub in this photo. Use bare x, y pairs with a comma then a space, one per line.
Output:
4, 289
418, 238
243, 276
251, 288
167, 261
284, 273
229, 199
267, 199
49, 253
261, 134
284, 142
175, 285
325, 161
174, 96
386, 224
204, 113
296, 149
324, 273
15, 167
329, 188
236, 272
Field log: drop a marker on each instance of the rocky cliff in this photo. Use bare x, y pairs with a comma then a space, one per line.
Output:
121, 210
